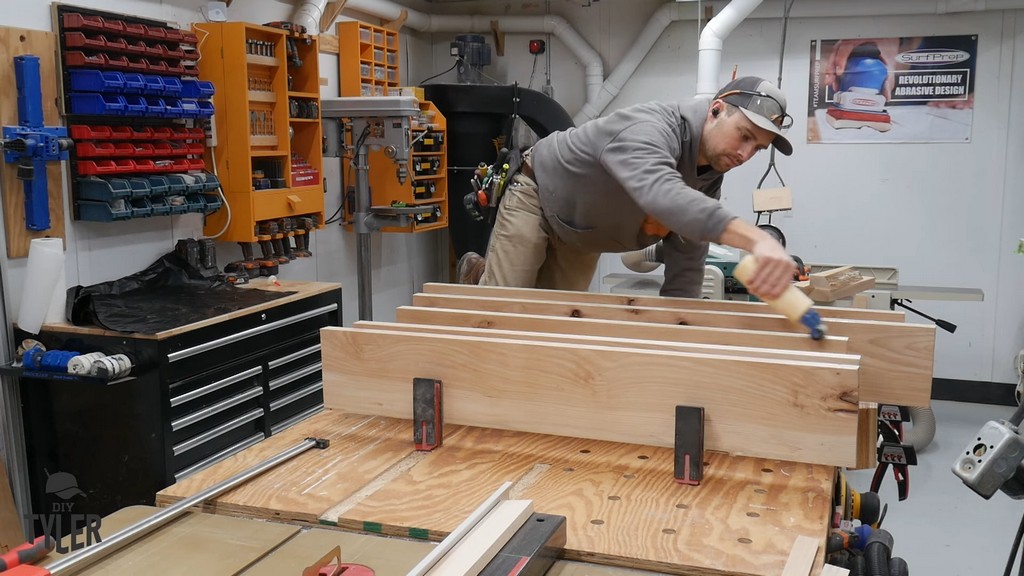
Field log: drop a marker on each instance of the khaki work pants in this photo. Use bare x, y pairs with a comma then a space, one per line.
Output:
525, 253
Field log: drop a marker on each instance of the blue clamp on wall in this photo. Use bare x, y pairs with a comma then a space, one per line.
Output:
31, 145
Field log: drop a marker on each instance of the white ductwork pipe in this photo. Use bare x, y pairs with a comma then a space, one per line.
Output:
308, 14
709, 55
555, 25
601, 92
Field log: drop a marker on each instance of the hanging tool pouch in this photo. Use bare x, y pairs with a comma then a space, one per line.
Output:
490, 183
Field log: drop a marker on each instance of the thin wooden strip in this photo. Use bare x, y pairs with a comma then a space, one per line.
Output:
649, 301
739, 351
896, 363
481, 545
623, 329
801, 557
803, 411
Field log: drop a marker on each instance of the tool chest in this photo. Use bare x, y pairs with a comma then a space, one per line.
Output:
135, 107
195, 395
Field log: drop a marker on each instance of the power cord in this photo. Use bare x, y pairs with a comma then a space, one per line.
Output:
442, 73
223, 198
359, 144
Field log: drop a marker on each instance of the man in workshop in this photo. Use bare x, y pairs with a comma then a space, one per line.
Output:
645, 173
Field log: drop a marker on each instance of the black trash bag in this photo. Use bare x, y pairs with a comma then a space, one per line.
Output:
168, 294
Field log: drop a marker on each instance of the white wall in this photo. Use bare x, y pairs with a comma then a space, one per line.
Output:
98, 252
943, 214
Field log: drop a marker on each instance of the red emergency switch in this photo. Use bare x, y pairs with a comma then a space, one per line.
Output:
536, 46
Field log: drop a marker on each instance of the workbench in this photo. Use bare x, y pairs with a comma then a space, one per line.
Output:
622, 504
197, 394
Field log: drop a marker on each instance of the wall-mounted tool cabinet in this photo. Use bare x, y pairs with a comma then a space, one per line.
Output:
268, 152
194, 396
135, 110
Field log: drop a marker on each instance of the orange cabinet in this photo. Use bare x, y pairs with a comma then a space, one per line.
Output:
268, 153
368, 63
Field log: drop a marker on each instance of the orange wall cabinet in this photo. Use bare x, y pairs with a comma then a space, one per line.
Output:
368, 62
268, 153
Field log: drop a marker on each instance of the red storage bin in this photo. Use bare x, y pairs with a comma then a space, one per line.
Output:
121, 132
173, 34
117, 45
75, 21
142, 149
124, 166
85, 132
163, 133
118, 62
135, 47
134, 30
196, 164
123, 149
92, 167
163, 149
94, 149
80, 40
112, 25
146, 166
142, 133
188, 37
156, 33
79, 58
196, 148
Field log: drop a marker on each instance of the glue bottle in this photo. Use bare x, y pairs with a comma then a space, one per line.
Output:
792, 304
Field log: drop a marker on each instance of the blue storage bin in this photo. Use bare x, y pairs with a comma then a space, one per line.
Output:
178, 204
134, 83
141, 208
160, 206
194, 183
104, 211
212, 182
213, 202
157, 185
140, 187
94, 103
172, 86
175, 184
96, 80
191, 88
155, 106
134, 105
189, 108
103, 189
196, 203
154, 85
205, 109
173, 108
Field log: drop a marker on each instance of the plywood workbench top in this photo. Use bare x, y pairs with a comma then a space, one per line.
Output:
622, 505
301, 290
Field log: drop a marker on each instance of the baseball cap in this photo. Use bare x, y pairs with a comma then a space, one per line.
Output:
763, 104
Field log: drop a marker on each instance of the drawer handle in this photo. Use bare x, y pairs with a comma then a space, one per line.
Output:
294, 355
215, 386
311, 369
296, 419
255, 331
207, 462
218, 431
296, 395
215, 408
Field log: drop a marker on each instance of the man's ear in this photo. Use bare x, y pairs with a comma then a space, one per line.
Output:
714, 112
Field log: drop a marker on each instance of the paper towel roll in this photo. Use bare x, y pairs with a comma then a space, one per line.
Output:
55, 313
44, 271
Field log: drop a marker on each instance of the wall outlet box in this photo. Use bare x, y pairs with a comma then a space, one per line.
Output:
216, 11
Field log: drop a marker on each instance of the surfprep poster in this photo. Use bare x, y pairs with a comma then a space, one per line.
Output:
909, 89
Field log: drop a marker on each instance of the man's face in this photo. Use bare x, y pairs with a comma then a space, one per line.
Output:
730, 139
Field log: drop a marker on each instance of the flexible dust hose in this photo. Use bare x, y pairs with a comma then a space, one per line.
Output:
878, 553
922, 432
858, 566
898, 567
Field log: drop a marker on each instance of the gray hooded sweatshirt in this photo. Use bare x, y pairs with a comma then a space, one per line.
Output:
600, 181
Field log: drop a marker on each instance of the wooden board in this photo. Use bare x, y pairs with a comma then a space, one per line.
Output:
896, 363
11, 535
614, 342
621, 504
190, 545
316, 480
650, 301
802, 556
754, 407
16, 42
618, 328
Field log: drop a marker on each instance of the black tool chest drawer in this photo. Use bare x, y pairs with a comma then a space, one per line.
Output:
195, 396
